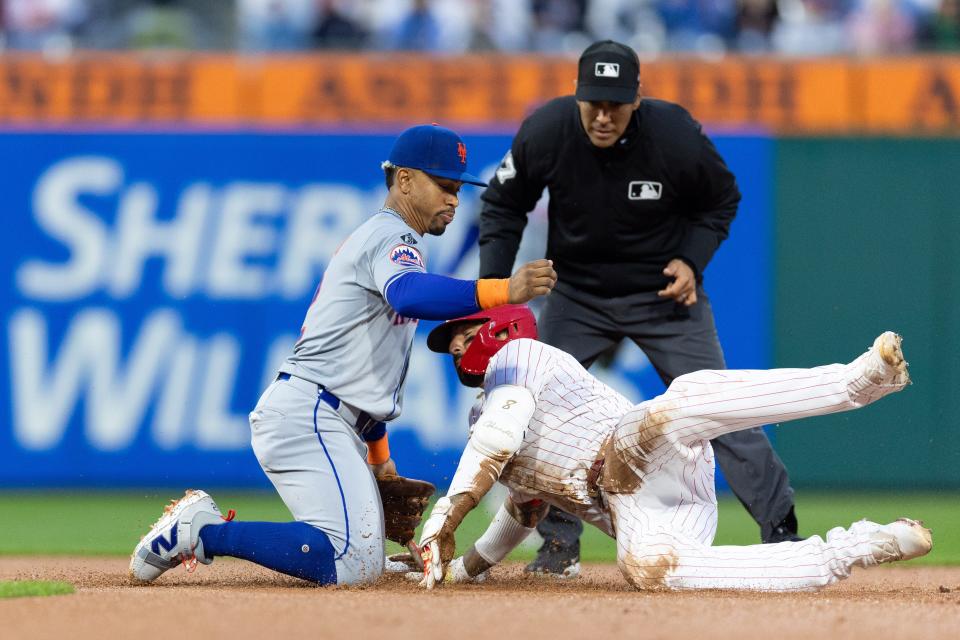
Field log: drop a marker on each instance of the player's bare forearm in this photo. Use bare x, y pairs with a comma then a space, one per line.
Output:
463, 503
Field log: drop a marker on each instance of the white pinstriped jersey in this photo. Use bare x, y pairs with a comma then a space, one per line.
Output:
665, 524
574, 414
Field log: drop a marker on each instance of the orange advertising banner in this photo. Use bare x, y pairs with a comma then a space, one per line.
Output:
876, 96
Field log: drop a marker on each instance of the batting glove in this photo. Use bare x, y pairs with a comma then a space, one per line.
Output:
430, 539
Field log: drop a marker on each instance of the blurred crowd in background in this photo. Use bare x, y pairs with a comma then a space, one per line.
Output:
652, 27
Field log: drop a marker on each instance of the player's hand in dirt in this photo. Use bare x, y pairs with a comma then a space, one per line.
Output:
456, 573
536, 278
437, 543
408, 563
683, 289
432, 565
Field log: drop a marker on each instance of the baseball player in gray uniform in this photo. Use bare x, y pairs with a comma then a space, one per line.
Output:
319, 430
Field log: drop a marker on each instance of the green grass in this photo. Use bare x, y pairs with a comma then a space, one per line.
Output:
24, 588
102, 523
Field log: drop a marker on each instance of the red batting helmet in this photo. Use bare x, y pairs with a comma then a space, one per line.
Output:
515, 319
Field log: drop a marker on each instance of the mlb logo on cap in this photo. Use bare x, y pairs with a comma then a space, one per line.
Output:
607, 70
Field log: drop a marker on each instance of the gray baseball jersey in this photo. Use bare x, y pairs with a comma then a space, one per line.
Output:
352, 342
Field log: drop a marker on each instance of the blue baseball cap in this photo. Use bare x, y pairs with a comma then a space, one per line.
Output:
435, 150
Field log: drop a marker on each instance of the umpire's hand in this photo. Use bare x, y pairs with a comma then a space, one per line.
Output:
683, 289
533, 279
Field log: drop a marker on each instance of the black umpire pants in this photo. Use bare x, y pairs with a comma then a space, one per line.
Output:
676, 340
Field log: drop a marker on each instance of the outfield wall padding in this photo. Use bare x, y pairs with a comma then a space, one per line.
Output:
868, 239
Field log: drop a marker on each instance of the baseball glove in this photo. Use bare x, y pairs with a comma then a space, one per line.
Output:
404, 501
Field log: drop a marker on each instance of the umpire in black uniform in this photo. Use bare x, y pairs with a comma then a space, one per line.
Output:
639, 202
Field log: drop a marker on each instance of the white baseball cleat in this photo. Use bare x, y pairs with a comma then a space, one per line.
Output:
903, 539
909, 538
883, 364
175, 538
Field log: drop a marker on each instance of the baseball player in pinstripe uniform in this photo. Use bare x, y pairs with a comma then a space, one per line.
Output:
555, 435
319, 430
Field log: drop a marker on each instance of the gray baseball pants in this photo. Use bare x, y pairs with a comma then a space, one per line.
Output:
318, 465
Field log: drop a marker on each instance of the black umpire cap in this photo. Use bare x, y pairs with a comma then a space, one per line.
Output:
608, 71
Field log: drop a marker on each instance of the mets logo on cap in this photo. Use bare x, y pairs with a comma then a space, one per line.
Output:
406, 256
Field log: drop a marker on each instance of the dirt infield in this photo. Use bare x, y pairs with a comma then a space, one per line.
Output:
237, 600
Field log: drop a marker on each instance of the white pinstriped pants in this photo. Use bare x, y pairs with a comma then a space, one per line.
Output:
665, 528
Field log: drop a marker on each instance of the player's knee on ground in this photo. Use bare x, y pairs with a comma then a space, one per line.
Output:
362, 563
648, 566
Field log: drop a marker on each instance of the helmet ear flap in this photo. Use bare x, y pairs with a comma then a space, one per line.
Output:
516, 320
483, 346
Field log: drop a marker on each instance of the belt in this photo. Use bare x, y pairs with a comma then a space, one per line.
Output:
366, 426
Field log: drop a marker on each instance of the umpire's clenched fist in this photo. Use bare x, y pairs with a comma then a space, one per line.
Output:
533, 279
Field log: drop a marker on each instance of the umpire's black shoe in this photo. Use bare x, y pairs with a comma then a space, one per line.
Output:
785, 531
556, 560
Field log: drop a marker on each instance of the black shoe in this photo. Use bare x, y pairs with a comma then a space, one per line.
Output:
556, 561
785, 531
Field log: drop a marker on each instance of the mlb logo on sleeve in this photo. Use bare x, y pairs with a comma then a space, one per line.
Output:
406, 256
607, 70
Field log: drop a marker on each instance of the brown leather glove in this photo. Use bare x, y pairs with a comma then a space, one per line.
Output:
404, 501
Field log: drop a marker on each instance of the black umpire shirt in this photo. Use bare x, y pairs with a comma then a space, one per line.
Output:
618, 215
